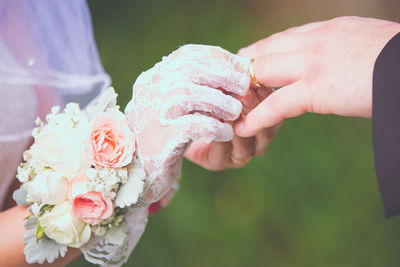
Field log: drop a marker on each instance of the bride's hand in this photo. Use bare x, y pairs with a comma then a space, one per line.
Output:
187, 96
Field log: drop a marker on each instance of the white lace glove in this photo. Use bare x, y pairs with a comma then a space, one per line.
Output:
182, 99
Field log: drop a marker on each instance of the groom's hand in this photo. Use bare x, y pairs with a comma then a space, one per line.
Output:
323, 67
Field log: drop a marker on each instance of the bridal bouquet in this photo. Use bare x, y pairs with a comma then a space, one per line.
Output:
82, 181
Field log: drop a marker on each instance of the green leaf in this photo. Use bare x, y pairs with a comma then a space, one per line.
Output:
39, 233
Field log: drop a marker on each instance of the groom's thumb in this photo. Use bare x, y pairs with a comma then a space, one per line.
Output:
284, 103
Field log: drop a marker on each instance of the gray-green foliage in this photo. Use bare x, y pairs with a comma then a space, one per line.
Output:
19, 196
42, 250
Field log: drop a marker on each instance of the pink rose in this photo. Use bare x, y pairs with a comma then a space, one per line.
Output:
91, 207
112, 141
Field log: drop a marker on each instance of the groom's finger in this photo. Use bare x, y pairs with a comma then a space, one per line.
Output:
282, 42
286, 102
277, 70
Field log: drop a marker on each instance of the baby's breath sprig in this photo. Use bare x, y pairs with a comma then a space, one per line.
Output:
106, 180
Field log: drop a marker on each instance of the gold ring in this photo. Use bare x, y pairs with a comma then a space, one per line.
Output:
252, 74
241, 162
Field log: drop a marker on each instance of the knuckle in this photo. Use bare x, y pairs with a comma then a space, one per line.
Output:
274, 37
340, 20
260, 46
315, 106
278, 37
243, 52
345, 21
263, 62
312, 107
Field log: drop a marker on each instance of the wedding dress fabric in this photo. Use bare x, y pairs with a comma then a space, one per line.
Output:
48, 56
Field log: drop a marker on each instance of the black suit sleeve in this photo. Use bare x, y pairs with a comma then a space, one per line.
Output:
386, 124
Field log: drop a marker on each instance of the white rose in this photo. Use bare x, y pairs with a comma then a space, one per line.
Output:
61, 149
59, 224
48, 187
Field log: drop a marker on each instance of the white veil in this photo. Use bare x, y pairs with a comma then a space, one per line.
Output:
47, 56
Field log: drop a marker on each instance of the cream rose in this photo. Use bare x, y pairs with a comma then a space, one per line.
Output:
61, 149
59, 224
112, 141
48, 187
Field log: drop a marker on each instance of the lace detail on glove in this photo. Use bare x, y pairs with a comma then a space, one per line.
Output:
189, 95
112, 250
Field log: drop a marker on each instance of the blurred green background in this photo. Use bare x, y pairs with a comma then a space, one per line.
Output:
312, 200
